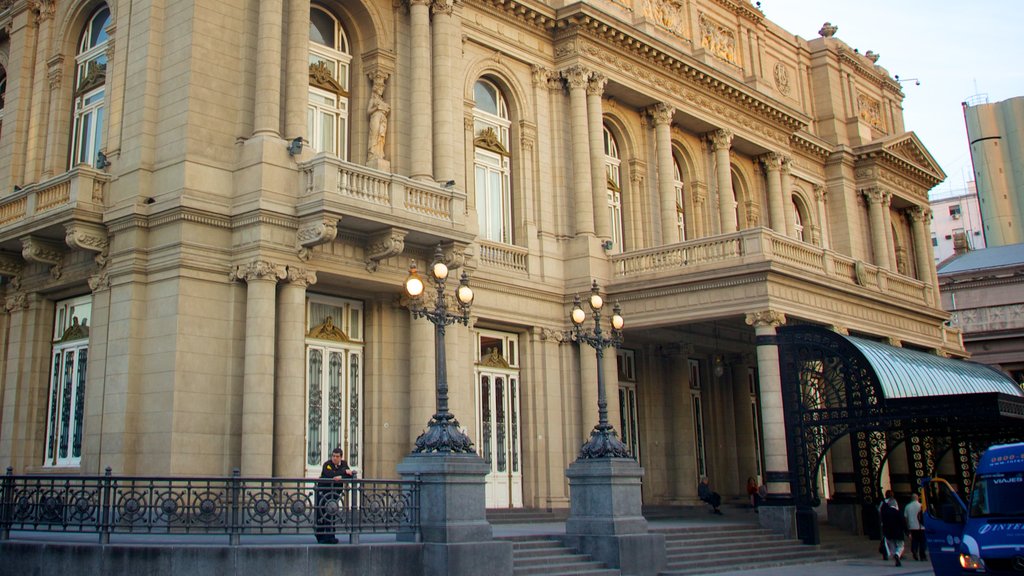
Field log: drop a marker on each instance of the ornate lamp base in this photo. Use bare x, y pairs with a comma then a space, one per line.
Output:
443, 435
603, 443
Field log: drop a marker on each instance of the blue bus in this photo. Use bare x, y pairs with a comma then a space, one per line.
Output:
986, 535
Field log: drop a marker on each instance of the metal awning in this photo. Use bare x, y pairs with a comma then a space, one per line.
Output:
904, 373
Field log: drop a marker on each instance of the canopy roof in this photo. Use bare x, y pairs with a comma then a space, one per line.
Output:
905, 373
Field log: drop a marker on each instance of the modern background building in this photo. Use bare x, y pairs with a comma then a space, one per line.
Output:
208, 210
996, 135
956, 222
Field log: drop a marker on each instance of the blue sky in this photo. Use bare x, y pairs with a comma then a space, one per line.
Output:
955, 48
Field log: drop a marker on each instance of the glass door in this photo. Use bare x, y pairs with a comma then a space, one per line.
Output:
498, 419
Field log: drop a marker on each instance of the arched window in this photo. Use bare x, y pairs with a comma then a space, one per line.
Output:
329, 60
799, 226
612, 165
3, 96
90, 81
677, 180
492, 162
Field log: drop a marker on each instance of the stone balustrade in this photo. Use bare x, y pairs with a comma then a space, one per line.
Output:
764, 245
75, 194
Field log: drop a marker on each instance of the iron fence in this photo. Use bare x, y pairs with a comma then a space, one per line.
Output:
232, 506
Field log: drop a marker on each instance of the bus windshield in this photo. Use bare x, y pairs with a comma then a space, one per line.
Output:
998, 495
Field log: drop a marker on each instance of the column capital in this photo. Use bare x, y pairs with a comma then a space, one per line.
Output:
259, 270
597, 83
874, 194
302, 277
920, 214
10, 265
721, 139
445, 7
576, 77
541, 75
820, 192
772, 161
786, 164
661, 113
766, 318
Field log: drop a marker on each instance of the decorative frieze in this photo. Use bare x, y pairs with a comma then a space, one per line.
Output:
718, 39
667, 14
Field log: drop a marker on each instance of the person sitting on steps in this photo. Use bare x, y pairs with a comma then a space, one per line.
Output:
706, 494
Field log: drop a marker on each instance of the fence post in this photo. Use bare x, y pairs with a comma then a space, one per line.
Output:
106, 502
234, 515
7, 505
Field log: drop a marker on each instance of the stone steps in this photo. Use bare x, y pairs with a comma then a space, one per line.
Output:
707, 550
525, 515
539, 556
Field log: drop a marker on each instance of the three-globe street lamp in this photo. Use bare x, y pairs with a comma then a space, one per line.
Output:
442, 433
603, 442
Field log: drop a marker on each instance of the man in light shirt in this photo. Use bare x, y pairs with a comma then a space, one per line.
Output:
912, 514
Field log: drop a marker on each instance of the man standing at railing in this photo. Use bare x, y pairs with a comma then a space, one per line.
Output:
328, 496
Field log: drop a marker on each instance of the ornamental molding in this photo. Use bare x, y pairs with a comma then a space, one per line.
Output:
190, 215
322, 77
86, 236
780, 73
35, 249
390, 242
494, 359
258, 270
317, 229
327, 330
743, 9
301, 277
16, 302
868, 72
10, 265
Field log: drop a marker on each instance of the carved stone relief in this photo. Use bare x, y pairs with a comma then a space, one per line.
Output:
719, 40
870, 111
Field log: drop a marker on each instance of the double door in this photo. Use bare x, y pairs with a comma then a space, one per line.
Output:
500, 429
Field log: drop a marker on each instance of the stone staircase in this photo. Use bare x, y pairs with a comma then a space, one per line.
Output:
525, 515
540, 556
734, 547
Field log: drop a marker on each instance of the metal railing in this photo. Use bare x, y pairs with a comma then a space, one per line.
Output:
232, 506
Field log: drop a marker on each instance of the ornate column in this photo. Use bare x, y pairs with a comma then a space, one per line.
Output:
419, 82
788, 210
820, 197
923, 255
721, 141
445, 28
599, 180
772, 163
56, 154
887, 223
261, 279
876, 221
289, 390
268, 69
773, 421
662, 113
296, 70
699, 192
577, 79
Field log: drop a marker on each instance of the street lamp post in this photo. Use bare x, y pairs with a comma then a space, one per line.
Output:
442, 433
603, 442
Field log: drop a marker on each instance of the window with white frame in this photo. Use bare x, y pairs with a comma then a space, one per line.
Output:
334, 381
677, 179
612, 168
66, 401
90, 93
492, 162
329, 61
629, 419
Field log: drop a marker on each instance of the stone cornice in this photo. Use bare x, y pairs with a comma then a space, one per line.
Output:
743, 9
855, 61
811, 144
606, 32
894, 163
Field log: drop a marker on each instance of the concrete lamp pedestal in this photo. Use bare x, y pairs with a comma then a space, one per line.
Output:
457, 539
605, 517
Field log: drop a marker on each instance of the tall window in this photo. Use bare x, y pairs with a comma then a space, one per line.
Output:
90, 79
698, 418
492, 163
334, 381
612, 165
329, 59
677, 180
66, 402
499, 427
3, 96
629, 420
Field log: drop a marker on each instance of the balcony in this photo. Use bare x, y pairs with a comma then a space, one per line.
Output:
371, 202
46, 209
722, 255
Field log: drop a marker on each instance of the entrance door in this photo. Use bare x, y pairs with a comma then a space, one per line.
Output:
334, 383
498, 419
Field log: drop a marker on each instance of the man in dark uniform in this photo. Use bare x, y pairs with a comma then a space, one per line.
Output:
328, 496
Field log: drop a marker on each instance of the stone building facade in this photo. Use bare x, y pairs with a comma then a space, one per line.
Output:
208, 209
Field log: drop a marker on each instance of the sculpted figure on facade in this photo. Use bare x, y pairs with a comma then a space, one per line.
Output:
668, 14
718, 40
378, 111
